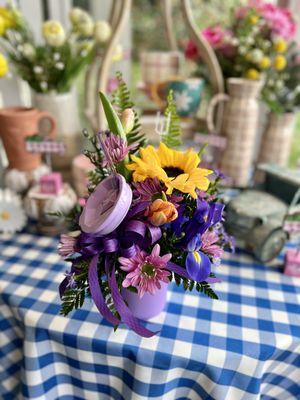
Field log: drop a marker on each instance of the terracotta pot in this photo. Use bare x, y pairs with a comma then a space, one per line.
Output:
239, 125
16, 123
65, 110
276, 141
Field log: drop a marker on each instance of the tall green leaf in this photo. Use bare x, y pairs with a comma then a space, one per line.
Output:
172, 134
112, 118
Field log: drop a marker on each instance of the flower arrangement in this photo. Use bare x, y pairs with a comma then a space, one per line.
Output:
253, 44
54, 65
152, 216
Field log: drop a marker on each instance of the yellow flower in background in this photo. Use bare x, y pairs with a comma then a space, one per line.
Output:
8, 16
253, 19
280, 45
280, 62
2, 26
118, 53
54, 33
252, 74
3, 66
265, 63
176, 169
102, 31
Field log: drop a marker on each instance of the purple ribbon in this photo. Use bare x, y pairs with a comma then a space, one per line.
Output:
97, 295
125, 313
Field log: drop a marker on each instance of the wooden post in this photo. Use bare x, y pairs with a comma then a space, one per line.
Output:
103, 70
170, 32
208, 55
97, 74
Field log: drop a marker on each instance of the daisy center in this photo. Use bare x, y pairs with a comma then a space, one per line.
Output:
148, 270
5, 215
173, 172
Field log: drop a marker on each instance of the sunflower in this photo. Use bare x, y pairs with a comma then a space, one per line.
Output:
176, 169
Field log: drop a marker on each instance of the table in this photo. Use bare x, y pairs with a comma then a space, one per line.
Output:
243, 346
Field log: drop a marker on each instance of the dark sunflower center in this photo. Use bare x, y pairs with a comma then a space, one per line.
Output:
148, 269
172, 172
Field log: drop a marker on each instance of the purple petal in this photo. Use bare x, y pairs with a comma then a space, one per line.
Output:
198, 268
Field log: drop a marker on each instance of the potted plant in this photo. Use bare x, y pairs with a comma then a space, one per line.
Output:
282, 95
152, 217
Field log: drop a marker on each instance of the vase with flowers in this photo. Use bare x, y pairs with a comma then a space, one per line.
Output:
251, 48
51, 68
153, 216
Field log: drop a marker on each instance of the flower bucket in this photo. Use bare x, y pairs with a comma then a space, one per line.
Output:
150, 305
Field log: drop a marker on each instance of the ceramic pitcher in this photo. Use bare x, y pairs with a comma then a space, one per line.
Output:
276, 141
64, 107
16, 123
239, 125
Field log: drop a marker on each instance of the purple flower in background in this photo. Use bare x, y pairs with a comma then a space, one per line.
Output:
67, 243
146, 271
197, 263
116, 147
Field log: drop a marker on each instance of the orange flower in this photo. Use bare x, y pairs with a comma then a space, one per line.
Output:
161, 212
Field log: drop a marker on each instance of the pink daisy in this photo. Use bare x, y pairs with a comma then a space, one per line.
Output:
209, 246
145, 271
67, 244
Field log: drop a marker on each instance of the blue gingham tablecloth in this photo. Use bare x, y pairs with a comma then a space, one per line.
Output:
244, 346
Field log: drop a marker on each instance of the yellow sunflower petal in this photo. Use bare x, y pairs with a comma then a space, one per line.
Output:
165, 155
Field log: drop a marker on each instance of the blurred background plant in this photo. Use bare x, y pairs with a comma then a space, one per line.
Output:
53, 65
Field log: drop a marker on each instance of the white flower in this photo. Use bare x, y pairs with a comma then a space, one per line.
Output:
12, 216
54, 33
249, 40
56, 56
102, 31
60, 66
279, 84
182, 100
44, 85
242, 50
37, 69
256, 55
28, 51
76, 14
235, 41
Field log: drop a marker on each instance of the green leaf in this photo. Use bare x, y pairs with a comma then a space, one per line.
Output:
113, 120
122, 101
172, 134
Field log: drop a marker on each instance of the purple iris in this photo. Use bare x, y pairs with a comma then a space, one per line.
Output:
206, 215
197, 263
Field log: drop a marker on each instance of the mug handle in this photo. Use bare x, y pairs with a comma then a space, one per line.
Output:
155, 87
217, 98
45, 115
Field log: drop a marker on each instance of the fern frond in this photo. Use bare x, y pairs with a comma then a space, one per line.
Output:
172, 134
121, 100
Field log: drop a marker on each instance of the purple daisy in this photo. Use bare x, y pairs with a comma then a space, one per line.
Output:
67, 244
146, 271
117, 148
144, 191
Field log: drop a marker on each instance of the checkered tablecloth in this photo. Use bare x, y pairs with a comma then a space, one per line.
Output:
244, 346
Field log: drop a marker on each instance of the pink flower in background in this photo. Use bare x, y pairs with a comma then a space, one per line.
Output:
217, 37
146, 271
209, 246
278, 19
